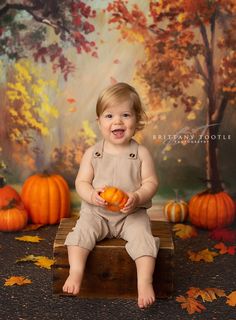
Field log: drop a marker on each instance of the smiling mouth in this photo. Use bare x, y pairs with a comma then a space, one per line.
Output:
119, 133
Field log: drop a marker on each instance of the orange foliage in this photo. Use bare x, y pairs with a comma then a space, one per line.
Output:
20, 281
205, 255
184, 231
191, 304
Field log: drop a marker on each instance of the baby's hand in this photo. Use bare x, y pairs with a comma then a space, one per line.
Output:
131, 203
96, 199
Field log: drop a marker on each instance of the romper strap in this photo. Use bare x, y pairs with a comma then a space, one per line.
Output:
133, 154
98, 149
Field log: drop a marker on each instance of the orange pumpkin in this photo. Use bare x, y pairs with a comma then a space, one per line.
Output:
12, 218
115, 198
46, 198
211, 211
176, 211
7, 193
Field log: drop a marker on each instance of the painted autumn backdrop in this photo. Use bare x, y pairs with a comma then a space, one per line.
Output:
56, 56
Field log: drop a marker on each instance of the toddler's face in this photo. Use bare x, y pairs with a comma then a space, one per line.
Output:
118, 123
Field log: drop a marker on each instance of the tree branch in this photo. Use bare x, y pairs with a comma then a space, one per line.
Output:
219, 113
200, 70
206, 43
30, 10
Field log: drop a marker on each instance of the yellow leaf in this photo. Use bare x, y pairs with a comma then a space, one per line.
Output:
190, 304
44, 262
231, 299
40, 261
191, 115
29, 238
30, 258
205, 255
184, 231
207, 294
181, 17
20, 281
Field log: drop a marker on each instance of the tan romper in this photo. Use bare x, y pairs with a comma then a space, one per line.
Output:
96, 223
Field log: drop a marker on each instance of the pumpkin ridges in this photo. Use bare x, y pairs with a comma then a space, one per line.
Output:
184, 210
229, 203
176, 211
44, 194
35, 195
13, 219
220, 217
211, 210
45, 197
25, 193
7, 193
63, 187
54, 194
194, 213
204, 218
114, 197
204, 205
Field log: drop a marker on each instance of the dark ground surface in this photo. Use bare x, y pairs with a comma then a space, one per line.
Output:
35, 301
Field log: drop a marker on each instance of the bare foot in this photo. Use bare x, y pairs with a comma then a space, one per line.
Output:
146, 295
73, 282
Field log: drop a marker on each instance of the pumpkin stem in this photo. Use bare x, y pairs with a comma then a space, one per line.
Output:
2, 182
176, 194
46, 173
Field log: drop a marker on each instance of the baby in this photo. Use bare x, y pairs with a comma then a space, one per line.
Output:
117, 160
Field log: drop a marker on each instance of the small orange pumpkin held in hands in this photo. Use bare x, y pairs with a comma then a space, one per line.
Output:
12, 217
46, 197
115, 198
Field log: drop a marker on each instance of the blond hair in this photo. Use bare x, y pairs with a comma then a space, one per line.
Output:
119, 93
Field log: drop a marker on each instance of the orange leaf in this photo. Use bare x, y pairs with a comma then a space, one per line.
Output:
191, 304
205, 255
31, 227
74, 109
71, 100
207, 294
184, 231
224, 249
29, 238
231, 299
20, 281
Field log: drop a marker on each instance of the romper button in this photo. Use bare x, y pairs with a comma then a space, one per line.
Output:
97, 154
132, 155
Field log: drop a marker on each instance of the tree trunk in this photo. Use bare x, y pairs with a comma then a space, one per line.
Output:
212, 169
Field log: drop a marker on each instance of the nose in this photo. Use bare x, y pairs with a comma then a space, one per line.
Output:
118, 119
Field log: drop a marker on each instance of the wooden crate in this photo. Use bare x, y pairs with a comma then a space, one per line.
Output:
110, 272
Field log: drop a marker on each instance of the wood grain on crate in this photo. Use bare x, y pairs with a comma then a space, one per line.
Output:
110, 272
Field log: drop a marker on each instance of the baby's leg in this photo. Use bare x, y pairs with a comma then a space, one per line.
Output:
145, 267
142, 248
77, 259
89, 229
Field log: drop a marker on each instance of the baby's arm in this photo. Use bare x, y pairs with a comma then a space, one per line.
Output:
83, 182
